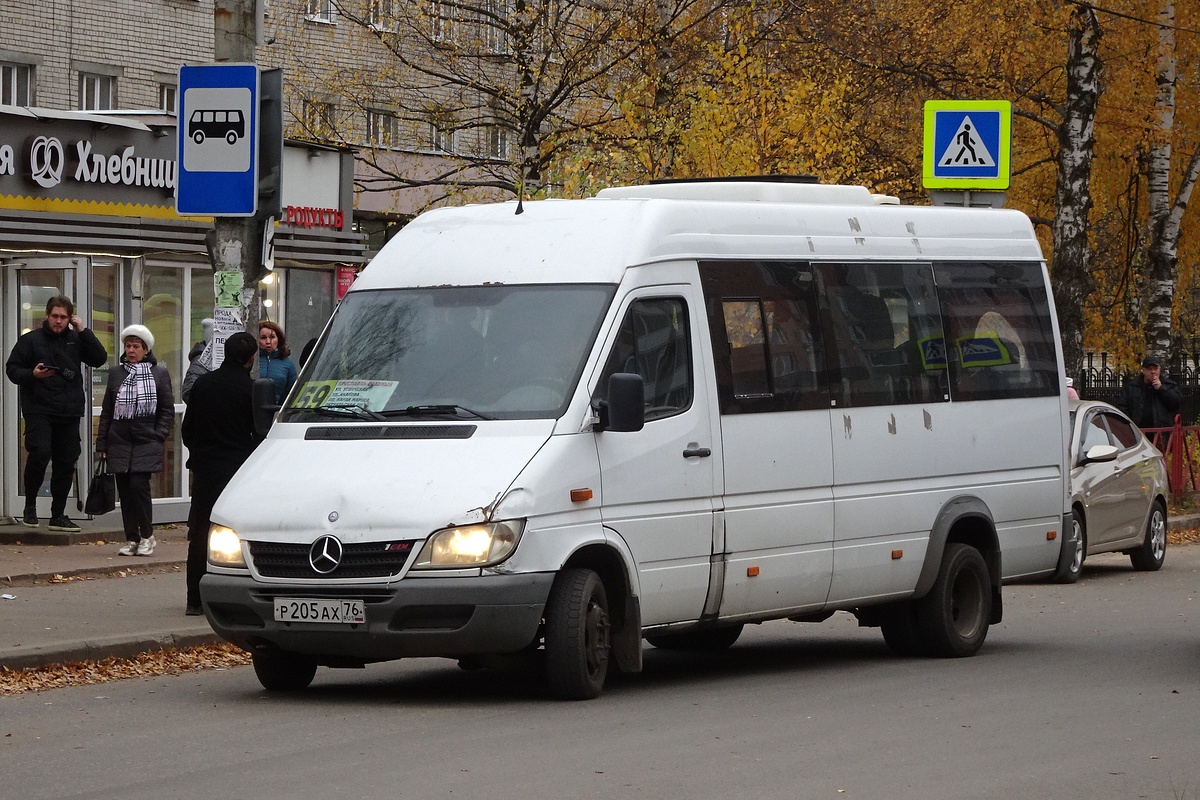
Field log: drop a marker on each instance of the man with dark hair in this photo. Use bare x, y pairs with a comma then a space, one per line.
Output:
1153, 400
47, 363
218, 430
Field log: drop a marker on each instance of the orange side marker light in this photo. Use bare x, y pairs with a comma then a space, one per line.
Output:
581, 495
752, 572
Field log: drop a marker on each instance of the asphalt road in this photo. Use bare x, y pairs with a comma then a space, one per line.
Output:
1085, 691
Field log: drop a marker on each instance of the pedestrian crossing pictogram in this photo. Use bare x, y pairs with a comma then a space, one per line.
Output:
967, 148
967, 144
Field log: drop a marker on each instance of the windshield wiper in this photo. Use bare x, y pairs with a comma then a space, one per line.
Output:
357, 411
448, 408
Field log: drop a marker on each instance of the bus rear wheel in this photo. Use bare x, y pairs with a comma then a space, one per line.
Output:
953, 618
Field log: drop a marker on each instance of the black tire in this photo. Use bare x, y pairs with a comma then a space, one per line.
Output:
231, 137
899, 626
953, 618
1149, 556
577, 635
278, 671
709, 640
198, 137
1070, 572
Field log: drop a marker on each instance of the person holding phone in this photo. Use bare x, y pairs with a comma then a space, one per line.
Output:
47, 364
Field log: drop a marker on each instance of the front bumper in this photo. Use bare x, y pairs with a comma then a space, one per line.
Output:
450, 617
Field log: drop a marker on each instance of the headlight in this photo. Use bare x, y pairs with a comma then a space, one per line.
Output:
224, 547
470, 545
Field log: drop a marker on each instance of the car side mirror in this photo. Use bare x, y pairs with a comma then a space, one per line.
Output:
1100, 452
625, 409
263, 397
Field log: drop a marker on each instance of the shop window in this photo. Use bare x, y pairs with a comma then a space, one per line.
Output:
105, 294
308, 307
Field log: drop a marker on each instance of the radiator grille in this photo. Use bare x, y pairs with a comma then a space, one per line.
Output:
371, 560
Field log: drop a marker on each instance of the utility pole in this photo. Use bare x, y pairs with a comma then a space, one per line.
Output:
235, 244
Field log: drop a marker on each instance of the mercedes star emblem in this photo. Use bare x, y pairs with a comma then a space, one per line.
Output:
325, 554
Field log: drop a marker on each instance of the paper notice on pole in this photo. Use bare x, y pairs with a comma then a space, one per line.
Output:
228, 287
226, 322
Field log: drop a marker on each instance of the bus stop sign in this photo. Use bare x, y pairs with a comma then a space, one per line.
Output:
218, 141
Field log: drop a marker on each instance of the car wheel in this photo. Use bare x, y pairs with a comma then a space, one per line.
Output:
711, 640
900, 631
577, 635
1149, 556
953, 618
279, 671
1070, 572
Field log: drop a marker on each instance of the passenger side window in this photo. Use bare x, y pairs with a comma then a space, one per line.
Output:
998, 320
885, 328
1122, 431
653, 342
766, 338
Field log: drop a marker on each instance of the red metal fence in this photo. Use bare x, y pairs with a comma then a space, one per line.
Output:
1181, 445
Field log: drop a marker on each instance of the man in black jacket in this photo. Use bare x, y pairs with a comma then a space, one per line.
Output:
47, 363
218, 430
1153, 400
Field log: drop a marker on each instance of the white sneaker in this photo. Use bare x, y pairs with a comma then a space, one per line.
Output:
146, 546
128, 549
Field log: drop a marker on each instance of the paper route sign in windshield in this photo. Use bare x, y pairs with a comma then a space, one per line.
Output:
371, 395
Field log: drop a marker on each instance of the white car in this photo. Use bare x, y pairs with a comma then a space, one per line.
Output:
1118, 490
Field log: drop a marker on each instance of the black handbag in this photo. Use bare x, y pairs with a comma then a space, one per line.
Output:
102, 491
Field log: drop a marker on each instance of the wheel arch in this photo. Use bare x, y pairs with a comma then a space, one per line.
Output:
624, 608
966, 520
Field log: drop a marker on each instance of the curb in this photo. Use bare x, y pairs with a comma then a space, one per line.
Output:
125, 646
38, 578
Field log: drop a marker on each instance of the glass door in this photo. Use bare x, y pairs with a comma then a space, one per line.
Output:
28, 284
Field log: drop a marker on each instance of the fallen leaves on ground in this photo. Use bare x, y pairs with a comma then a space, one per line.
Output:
171, 661
1191, 535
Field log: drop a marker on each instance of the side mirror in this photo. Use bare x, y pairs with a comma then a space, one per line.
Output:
263, 395
1100, 452
625, 409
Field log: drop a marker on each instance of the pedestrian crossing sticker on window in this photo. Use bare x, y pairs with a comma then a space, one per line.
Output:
967, 144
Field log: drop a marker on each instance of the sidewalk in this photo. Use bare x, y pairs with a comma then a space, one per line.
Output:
78, 600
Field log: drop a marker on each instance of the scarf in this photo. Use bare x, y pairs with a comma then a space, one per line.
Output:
138, 396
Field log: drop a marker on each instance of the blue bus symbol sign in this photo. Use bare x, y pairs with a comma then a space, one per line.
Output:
218, 140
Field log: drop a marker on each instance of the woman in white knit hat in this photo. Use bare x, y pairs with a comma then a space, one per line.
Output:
135, 420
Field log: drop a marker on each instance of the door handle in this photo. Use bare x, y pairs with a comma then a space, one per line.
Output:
697, 452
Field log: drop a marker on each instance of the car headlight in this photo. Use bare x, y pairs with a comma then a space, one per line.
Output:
470, 545
224, 547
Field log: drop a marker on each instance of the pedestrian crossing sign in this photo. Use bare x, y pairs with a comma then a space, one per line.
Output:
967, 144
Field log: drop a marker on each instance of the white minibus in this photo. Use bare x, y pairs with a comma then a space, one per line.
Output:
547, 431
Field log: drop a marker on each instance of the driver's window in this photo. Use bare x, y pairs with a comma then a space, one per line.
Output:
653, 342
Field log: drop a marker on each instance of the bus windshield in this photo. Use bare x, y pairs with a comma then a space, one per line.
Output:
481, 352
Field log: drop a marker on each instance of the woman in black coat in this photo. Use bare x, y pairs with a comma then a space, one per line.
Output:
135, 420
